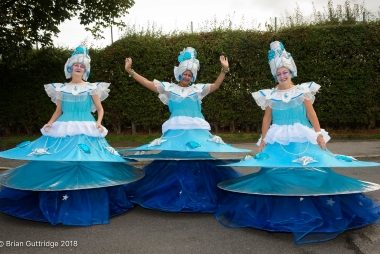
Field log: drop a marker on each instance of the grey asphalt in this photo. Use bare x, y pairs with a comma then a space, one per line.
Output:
148, 231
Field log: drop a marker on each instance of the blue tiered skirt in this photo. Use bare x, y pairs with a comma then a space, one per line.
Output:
69, 193
296, 192
310, 219
181, 185
72, 207
183, 176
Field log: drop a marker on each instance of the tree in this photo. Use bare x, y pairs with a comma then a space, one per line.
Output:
25, 23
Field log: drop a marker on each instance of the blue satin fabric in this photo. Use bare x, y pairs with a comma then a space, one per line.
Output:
188, 106
309, 219
180, 186
55, 176
277, 155
195, 140
69, 148
297, 182
76, 108
289, 114
72, 207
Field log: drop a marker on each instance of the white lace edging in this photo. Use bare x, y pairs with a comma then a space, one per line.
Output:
72, 128
55, 90
101, 90
165, 88
51, 91
263, 98
297, 133
185, 123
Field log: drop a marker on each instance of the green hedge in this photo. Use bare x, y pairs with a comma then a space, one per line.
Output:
344, 60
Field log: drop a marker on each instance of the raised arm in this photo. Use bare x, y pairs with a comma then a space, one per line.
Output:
57, 113
140, 79
225, 69
312, 116
267, 120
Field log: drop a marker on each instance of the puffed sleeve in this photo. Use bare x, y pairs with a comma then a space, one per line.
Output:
262, 98
202, 90
53, 90
309, 90
163, 89
100, 89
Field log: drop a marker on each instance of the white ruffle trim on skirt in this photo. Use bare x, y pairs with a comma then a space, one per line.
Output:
185, 123
298, 133
72, 128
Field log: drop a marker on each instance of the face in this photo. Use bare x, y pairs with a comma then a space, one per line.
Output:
283, 75
78, 69
187, 77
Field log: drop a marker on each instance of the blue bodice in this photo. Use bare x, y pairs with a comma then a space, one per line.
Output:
188, 106
76, 108
289, 115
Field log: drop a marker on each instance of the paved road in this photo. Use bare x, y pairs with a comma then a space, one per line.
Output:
147, 231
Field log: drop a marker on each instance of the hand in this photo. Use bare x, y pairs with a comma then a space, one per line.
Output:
47, 127
261, 146
128, 64
224, 62
100, 127
321, 142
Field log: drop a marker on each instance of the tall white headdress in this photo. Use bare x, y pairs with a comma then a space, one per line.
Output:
187, 61
80, 55
278, 57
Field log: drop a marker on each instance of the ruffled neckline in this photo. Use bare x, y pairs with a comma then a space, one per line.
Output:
183, 91
287, 95
75, 89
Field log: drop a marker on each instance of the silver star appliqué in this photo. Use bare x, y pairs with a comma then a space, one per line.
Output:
157, 142
65, 197
304, 160
39, 151
330, 202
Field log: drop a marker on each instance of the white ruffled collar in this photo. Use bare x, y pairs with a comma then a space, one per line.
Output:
183, 91
75, 89
287, 95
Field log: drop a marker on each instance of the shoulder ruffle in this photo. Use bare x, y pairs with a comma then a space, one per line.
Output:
262, 98
266, 97
55, 90
165, 89
309, 90
100, 89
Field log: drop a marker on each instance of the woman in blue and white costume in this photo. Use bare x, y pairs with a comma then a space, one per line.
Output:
74, 176
184, 176
295, 190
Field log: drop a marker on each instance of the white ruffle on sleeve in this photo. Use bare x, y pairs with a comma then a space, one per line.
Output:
299, 93
101, 90
262, 98
162, 89
52, 92
309, 90
202, 90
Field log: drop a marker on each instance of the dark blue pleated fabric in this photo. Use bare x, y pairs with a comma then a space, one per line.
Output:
309, 218
181, 186
73, 207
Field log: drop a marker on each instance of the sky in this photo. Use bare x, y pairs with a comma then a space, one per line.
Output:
178, 15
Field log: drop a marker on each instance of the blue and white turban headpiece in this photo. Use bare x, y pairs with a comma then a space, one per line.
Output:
80, 55
278, 57
187, 61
